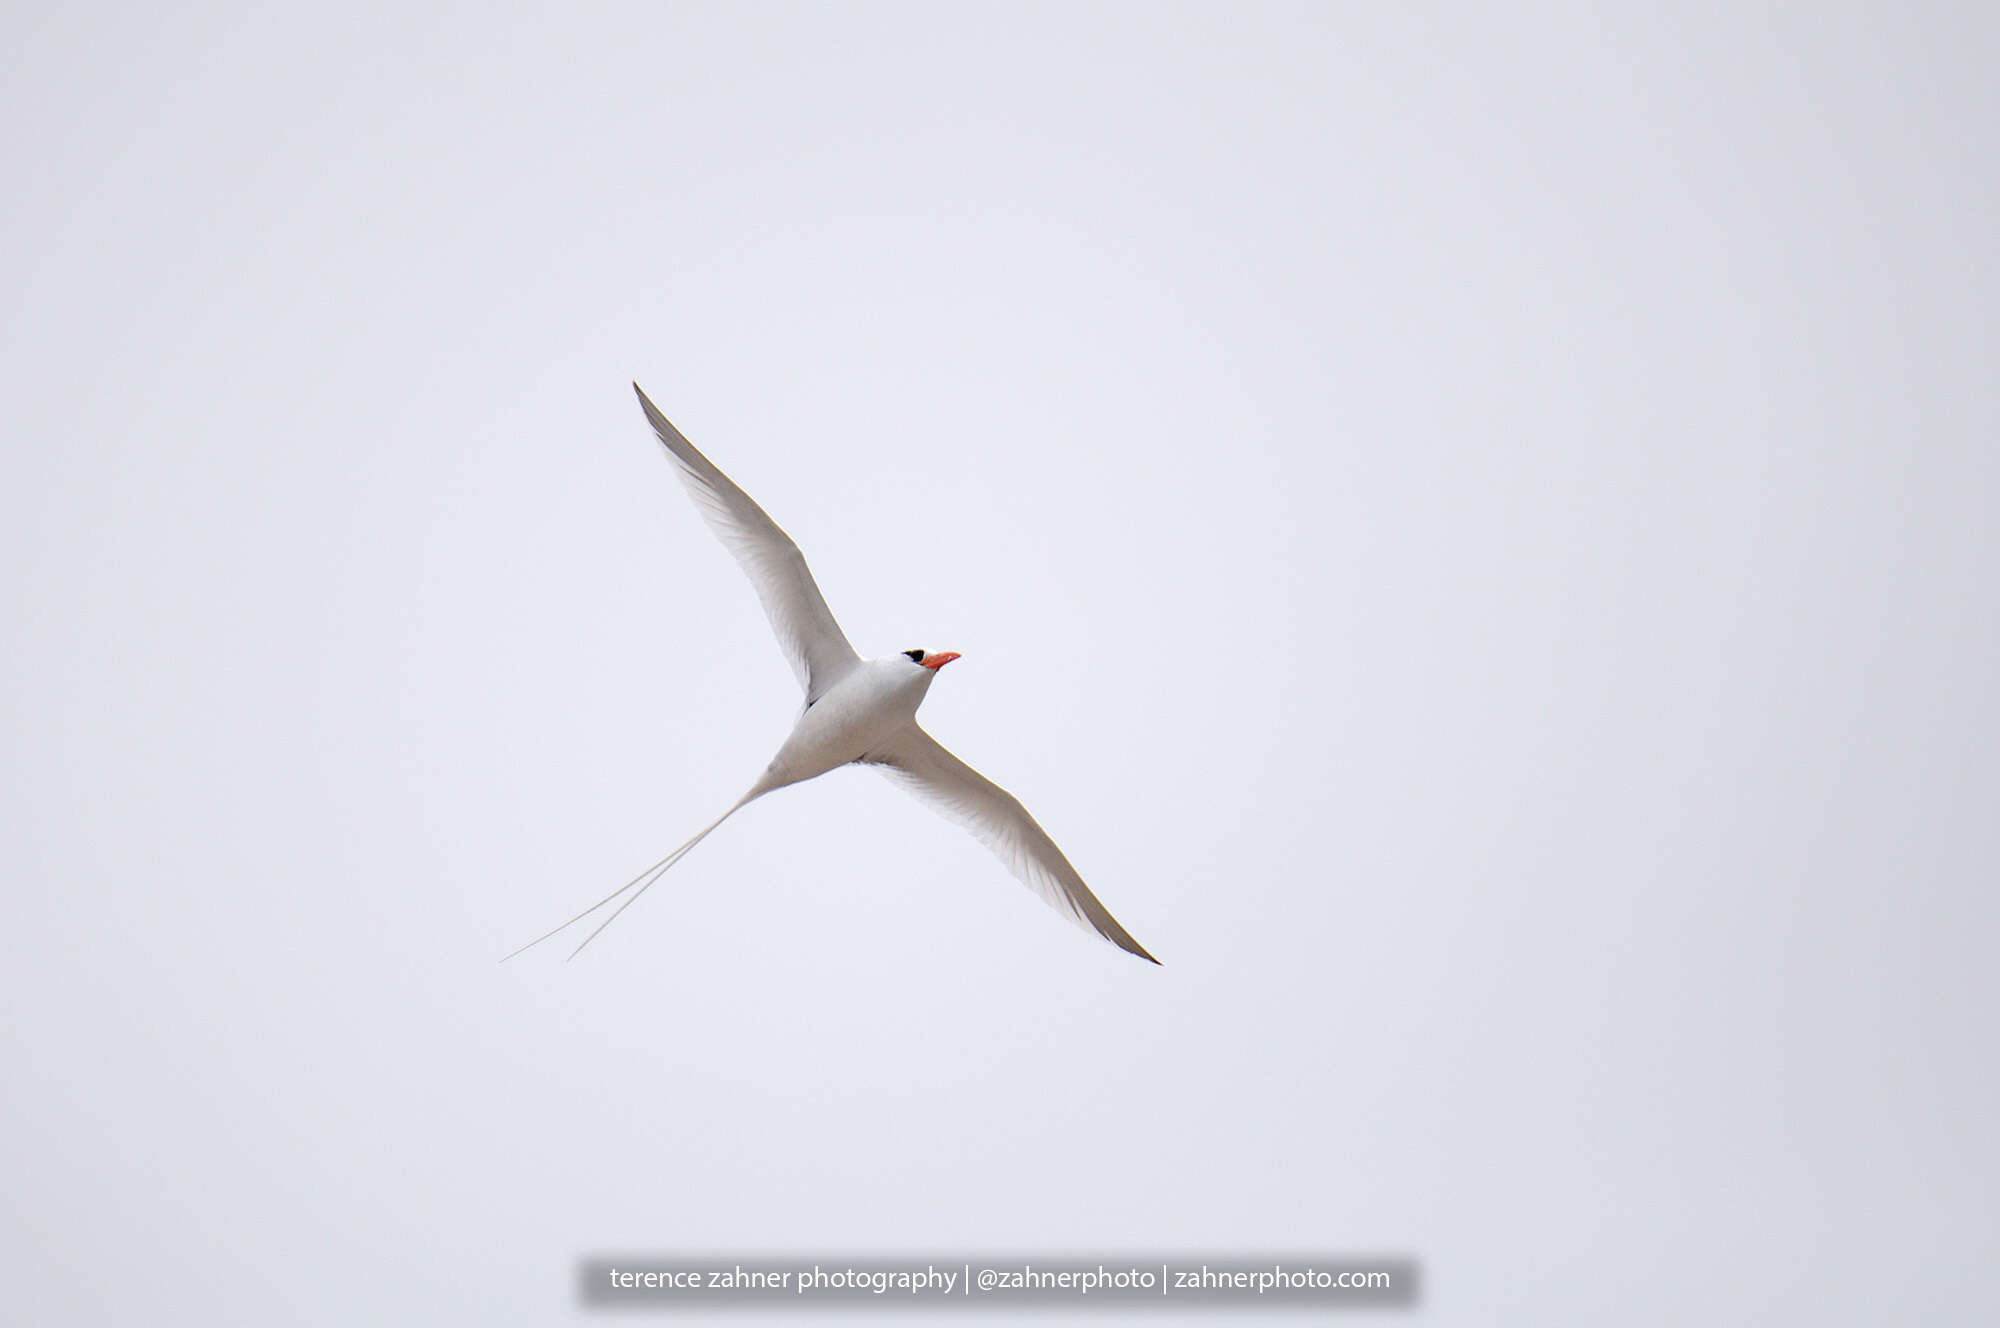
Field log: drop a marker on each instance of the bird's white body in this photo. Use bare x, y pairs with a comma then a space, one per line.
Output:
856, 710
865, 711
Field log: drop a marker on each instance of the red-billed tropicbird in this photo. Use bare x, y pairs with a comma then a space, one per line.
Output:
857, 711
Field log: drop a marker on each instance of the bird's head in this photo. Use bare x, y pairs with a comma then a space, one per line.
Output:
925, 659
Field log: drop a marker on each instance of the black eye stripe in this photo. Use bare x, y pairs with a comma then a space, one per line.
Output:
916, 655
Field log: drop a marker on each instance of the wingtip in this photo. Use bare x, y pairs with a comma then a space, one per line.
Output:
654, 415
1131, 946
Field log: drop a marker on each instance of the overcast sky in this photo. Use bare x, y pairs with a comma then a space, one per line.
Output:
1474, 529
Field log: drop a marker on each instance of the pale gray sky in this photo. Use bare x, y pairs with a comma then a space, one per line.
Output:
1474, 528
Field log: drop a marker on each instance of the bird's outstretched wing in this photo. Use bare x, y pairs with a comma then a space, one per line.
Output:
812, 641
997, 819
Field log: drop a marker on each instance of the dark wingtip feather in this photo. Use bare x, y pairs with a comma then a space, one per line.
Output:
1125, 941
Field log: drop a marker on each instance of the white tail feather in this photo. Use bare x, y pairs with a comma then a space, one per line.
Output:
643, 880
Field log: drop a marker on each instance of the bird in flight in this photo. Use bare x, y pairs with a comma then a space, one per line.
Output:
857, 712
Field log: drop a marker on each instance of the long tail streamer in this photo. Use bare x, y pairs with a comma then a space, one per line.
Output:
643, 880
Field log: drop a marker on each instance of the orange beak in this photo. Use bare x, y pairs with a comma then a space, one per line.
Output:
939, 660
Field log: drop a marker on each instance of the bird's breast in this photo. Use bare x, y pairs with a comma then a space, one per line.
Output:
843, 726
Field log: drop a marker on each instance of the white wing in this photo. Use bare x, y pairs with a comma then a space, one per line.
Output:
812, 641
997, 819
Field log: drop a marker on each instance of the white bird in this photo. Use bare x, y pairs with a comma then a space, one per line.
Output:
857, 711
